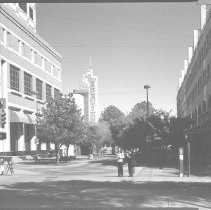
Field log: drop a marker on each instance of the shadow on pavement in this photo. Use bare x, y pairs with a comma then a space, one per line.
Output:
107, 162
88, 194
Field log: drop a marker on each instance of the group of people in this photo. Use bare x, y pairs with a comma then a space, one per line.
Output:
129, 158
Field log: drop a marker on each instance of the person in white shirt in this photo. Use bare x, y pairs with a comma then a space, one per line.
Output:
120, 163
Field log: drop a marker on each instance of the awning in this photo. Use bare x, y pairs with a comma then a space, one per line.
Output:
20, 116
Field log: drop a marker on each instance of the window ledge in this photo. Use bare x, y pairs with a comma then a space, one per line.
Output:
14, 92
29, 98
40, 102
14, 108
27, 112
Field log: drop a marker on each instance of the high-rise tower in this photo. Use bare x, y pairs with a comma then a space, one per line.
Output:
89, 91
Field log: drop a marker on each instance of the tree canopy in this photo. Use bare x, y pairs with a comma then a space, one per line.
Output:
115, 118
139, 110
60, 122
96, 135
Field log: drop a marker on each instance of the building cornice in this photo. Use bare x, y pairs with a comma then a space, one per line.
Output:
20, 24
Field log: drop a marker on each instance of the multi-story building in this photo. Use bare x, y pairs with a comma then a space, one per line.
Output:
30, 74
87, 96
194, 94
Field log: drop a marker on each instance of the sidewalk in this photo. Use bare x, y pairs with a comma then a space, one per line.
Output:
168, 175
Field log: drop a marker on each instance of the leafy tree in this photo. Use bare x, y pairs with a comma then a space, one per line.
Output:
160, 120
115, 118
133, 135
96, 135
60, 122
177, 127
139, 111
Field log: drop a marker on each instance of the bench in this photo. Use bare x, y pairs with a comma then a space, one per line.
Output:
40, 159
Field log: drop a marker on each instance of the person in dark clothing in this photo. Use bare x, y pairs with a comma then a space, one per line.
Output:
131, 163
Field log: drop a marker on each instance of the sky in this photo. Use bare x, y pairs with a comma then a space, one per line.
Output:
130, 44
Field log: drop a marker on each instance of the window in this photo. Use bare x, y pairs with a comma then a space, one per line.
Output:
47, 66
26, 51
14, 78
39, 89
31, 15
8, 39
14, 42
1, 34
39, 59
204, 107
209, 102
27, 84
196, 116
199, 110
23, 6
56, 93
48, 93
34, 57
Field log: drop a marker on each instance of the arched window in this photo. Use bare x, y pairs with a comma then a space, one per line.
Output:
204, 107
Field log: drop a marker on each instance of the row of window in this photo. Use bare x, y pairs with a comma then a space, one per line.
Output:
15, 84
200, 57
27, 52
23, 6
202, 108
200, 84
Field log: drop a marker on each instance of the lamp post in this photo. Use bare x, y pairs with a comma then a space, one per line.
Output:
147, 87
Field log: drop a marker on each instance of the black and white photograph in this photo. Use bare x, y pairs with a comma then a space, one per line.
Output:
105, 104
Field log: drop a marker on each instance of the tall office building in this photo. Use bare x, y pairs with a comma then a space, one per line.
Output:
30, 74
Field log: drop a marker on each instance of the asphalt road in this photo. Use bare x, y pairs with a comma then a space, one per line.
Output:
84, 184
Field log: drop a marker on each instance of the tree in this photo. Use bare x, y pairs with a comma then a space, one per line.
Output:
139, 111
96, 135
160, 120
177, 128
60, 122
133, 135
115, 118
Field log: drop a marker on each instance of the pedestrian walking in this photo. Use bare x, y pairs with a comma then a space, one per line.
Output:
131, 163
120, 163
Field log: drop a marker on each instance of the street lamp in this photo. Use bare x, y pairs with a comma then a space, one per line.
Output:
147, 87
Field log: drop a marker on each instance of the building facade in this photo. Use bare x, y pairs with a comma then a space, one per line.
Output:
194, 94
30, 74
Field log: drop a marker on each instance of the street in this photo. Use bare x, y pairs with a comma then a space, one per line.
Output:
89, 184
